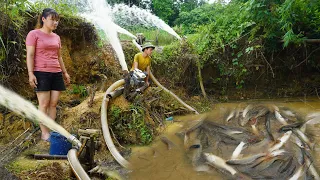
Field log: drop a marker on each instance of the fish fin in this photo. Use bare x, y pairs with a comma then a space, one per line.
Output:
185, 141
312, 146
303, 128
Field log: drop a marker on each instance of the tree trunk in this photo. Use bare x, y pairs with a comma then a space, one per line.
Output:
200, 80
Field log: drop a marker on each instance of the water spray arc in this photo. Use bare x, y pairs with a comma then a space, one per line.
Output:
25, 108
99, 14
134, 15
97, 11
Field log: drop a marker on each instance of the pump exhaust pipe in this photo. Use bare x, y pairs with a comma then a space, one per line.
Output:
142, 88
115, 93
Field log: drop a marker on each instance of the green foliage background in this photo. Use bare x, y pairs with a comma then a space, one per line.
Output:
231, 43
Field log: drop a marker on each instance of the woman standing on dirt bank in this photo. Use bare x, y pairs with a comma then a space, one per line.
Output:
46, 69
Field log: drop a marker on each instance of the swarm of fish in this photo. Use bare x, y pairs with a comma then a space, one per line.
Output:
256, 142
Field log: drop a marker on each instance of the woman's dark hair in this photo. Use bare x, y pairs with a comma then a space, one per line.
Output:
45, 13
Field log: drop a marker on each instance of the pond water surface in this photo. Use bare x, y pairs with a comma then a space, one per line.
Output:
158, 162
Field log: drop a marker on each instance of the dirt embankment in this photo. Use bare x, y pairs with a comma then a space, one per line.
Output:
93, 67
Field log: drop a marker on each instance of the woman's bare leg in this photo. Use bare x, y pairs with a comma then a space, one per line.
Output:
44, 101
54, 98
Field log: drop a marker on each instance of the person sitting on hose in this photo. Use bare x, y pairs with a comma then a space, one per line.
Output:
142, 60
141, 64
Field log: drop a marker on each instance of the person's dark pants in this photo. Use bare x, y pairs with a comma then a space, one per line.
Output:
48, 81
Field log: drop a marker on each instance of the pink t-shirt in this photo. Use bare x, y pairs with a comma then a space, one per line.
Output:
46, 50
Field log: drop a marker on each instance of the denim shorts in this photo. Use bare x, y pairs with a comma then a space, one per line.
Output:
48, 81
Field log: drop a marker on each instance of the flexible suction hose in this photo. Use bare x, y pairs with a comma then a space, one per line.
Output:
172, 94
19, 105
76, 166
162, 87
23, 107
105, 128
110, 93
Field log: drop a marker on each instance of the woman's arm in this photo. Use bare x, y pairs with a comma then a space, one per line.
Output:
30, 65
63, 68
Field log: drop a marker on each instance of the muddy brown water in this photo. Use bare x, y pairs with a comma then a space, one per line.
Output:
158, 162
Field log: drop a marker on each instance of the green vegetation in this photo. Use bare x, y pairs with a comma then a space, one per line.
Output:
23, 164
176, 62
12, 22
167, 10
16, 17
238, 41
156, 36
129, 124
80, 90
65, 8
235, 41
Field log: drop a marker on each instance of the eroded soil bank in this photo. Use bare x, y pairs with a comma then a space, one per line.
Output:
93, 67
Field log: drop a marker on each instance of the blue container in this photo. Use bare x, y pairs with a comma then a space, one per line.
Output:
59, 145
169, 118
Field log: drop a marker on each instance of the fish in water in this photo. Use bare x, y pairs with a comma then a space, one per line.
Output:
195, 146
169, 143
281, 141
268, 126
219, 162
230, 135
290, 127
285, 165
301, 151
298, 173
190, 131
265, 162
312, 120
280, 118
238, 150
312, 115
254, 113
272, 152
245, 111
303, 138
195, 153
295, 129
246, 160
312, 170
190, 138
231, 115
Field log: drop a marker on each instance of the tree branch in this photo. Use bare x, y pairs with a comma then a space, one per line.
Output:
307, 57
268, 64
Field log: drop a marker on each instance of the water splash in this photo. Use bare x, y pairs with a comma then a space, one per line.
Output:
99, 14
102, 15
25, 108
125, 15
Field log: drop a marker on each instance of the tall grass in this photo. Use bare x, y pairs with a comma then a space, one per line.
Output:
151, 35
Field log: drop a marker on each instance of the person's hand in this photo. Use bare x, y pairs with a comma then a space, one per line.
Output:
66, 78
148, 84
32, 80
